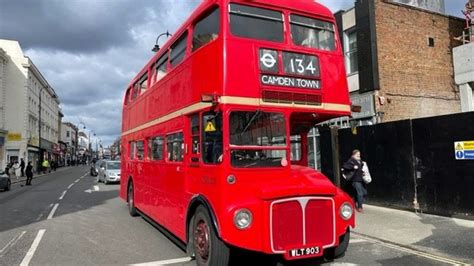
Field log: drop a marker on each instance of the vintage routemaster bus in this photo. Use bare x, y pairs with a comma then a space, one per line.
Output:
215, 126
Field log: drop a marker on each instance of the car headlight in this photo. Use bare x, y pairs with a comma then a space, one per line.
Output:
346, 211
242, 218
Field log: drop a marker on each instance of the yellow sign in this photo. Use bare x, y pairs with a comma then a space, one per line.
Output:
464, 150
14, 137
210, 127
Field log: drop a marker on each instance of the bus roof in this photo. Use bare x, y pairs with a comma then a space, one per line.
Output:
310, 7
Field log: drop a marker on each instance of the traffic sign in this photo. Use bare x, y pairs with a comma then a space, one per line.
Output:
464, 150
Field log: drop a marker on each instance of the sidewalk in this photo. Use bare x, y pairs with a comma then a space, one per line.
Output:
20, 179
433, 234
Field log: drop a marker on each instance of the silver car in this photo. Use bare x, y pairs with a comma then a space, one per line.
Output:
109, 171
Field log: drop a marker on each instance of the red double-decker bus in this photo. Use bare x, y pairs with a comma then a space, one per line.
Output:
215, 126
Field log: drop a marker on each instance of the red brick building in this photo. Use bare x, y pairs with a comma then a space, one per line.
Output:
399, 60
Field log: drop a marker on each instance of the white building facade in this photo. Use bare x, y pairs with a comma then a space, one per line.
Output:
30, 109
68, 136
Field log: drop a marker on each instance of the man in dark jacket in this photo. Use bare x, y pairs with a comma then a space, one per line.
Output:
354, 166
22, 167
29, 174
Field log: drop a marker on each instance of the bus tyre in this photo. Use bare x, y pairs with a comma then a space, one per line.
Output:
208, 248
130, 200
340, 251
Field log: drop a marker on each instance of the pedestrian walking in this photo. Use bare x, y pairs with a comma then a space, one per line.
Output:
45, 165
22, 167
14, 169
7, 168
53, 165
353, 173
29, 174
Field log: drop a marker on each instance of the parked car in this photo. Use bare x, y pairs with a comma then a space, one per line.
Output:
109, 171
5, 182
95, 168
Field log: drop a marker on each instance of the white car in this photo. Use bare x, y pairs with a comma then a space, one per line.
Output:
108, 172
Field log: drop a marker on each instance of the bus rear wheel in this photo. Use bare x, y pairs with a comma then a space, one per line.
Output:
207, 247
131, 200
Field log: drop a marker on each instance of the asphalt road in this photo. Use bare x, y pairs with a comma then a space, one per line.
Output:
67, 218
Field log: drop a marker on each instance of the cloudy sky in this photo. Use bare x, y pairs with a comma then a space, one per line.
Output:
89, 50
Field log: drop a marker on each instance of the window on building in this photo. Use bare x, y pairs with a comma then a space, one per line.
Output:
206, 30
175, 147
350, 51
68, 134
160, 67
140, 150
312, 33
155, 148
178, 50
246, 21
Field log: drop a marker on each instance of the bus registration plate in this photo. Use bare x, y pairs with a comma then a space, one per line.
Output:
306, 252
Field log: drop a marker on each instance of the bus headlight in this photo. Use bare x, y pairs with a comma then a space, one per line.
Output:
242, 218
346, 211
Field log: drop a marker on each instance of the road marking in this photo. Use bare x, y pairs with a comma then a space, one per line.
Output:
70, 186
29, 255
11, 243
53, 211
77, 180
39, 217
410, 250
62, 195
95, 188
164, 262
357, 240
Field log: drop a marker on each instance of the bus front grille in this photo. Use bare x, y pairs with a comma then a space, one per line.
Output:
300, 222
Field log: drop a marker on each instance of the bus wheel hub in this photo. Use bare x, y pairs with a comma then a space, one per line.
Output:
201, 240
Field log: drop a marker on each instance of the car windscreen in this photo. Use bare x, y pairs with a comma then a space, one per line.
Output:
256, 23
113, 165
312, 33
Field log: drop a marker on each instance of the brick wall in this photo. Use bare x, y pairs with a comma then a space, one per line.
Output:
415, 80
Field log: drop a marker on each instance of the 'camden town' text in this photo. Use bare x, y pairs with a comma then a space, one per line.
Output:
289, 82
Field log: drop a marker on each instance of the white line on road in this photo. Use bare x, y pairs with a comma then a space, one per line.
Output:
77, 180
164, 262
11, 243
96, 188
29, 255
70, 186
53, 211
62, 195
356, 240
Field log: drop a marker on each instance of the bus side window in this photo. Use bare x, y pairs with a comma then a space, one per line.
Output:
155, 148
142, 84
132, 150
140, 149
178, 50
175, 147
195, 134
206, 30
212, 138
136, 89
160, 67
127, 96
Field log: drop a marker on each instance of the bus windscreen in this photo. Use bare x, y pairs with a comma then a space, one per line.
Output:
312, 33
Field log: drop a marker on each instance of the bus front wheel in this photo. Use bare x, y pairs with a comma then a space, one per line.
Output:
131, 200
207, 247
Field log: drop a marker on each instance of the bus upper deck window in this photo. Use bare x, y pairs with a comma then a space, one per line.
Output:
249, 22
143, 84
178, 50
206, 30
160, 67
312, 33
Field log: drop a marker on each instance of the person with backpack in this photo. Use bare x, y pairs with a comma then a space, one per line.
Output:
353, 172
